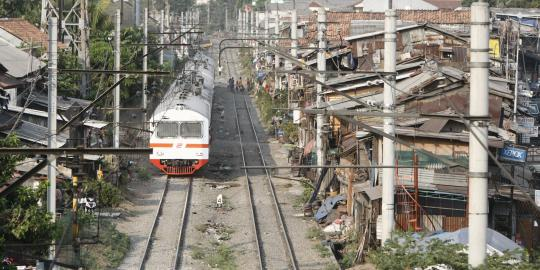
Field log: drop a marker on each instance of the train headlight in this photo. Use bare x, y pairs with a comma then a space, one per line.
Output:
196, 162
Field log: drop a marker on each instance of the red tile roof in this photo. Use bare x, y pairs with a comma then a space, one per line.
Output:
26, 31
340, 22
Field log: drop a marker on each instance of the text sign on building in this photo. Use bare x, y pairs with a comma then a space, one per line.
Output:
509, 153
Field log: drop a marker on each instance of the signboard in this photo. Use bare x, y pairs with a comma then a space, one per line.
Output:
513, 154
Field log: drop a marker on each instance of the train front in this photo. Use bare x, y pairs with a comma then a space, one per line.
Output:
180, 140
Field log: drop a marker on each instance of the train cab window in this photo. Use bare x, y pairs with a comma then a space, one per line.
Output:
191, 129
167, 129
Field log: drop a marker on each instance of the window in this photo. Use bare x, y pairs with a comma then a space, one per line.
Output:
191, 129
167, 129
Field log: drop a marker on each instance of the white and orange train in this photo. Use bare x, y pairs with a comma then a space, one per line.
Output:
180, 125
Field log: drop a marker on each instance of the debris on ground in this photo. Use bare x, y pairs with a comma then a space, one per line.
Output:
219, 231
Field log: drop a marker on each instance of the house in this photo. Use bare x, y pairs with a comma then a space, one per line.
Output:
20, 33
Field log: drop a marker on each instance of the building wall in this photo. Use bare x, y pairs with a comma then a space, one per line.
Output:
380, 6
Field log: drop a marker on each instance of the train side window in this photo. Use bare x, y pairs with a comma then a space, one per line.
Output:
191, 129
167, 129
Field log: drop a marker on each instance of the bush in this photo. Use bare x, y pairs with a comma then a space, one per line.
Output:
108, 195
405, 252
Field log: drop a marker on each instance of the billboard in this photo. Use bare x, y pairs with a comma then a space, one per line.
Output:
513, 154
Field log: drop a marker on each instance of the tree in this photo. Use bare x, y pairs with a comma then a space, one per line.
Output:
27, 9
23, 219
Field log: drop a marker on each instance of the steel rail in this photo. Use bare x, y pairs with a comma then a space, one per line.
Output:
279, 214
181, 232
249, 191
154, 225
177, 262
255, 226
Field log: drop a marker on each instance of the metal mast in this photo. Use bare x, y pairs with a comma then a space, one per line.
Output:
116, 116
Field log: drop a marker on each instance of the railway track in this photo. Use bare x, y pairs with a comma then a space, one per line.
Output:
161, 250
272, 238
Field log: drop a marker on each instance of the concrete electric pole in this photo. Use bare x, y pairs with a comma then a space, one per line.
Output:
161, 36
478, 135
388, 144
145, 66
116, 116
52, 116
277, 78
321, 66
137, 12
84, 58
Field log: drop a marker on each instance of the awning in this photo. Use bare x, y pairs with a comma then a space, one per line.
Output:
95, 123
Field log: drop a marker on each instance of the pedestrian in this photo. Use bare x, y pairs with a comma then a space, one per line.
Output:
100, 138
89, 139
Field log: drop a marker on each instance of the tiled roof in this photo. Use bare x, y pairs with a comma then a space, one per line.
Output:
26, 31
340, 22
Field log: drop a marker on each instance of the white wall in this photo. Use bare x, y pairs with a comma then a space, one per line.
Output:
381, 5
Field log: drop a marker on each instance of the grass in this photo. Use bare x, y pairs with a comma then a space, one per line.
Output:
144, 174
323, 251
304, 198
314, 233
111, 250
197, 252
331, 266
222, 257
218, 256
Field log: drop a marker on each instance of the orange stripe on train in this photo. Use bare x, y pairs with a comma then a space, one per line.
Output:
161, 145
194, 145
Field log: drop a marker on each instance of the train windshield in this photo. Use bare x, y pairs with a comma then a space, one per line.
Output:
191, 129
167, 129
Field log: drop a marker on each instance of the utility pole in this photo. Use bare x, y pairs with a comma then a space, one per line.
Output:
137, 12
277, 78
518, 43
161, 36
52, 115
116, 120
145, 66
388, 144
208, 16
266, 23
83, 53
294, 33
239, 27
321, 66
478, 135
226, 18
167, 14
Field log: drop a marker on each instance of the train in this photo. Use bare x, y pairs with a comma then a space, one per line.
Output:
180, 124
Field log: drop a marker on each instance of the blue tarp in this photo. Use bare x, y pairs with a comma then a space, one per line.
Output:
327, 206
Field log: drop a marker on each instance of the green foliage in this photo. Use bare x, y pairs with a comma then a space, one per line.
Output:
109, 195
291, 131
404, 252
264, 102
221, 257
8, 162
322, 250
314, 233
111, 250
24, 220
27, 9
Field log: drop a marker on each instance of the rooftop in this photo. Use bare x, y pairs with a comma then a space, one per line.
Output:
26, 31
17, 62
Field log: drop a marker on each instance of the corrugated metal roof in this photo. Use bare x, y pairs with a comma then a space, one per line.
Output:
29, 132
63, 102
18, 62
